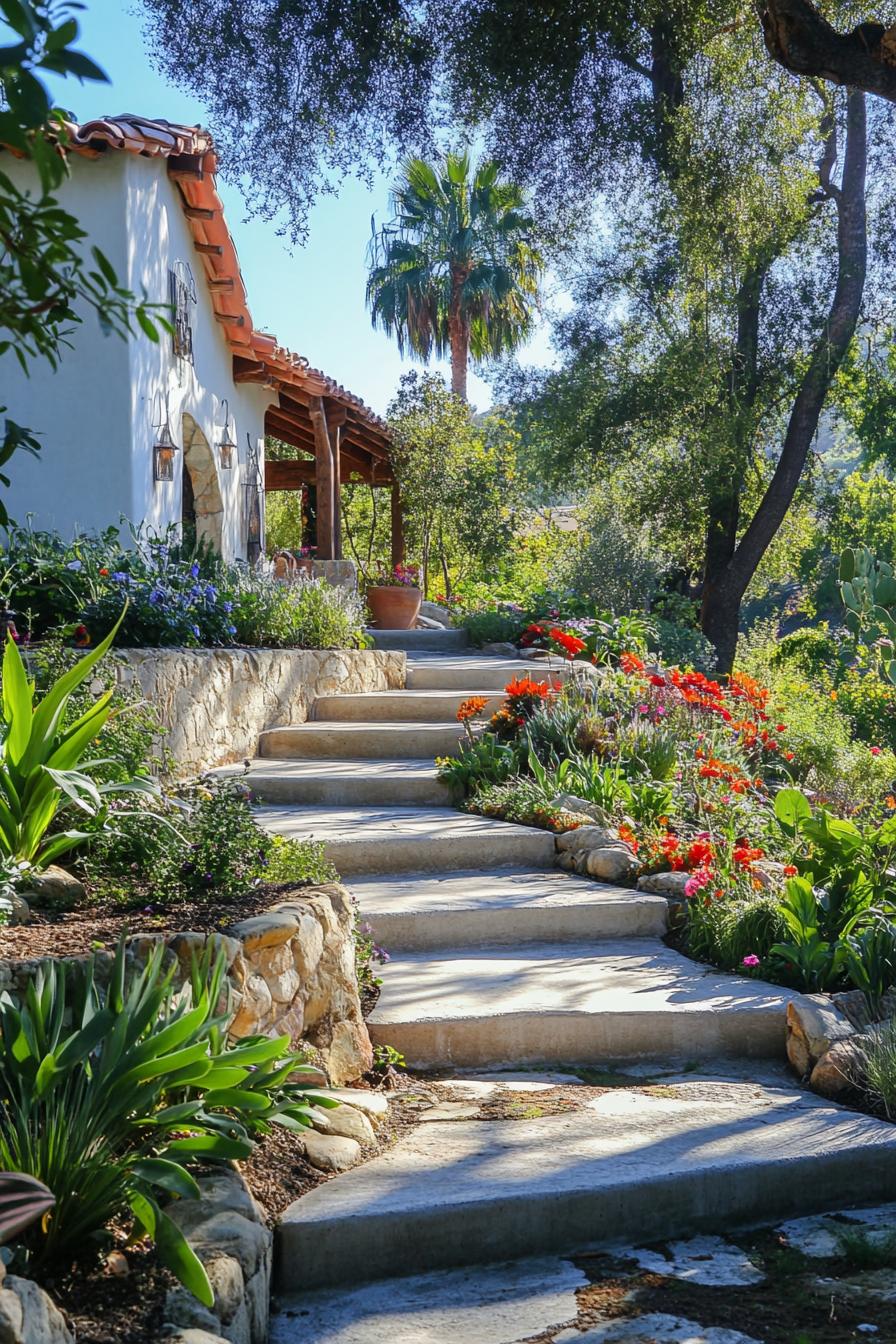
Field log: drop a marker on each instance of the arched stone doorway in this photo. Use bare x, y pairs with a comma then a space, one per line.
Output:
202, 508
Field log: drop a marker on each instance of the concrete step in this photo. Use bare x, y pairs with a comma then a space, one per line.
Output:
377, 741
555, 1004
406, 839
432, 641
633, 1165
398, 706
412, 912
470, 672
345, 783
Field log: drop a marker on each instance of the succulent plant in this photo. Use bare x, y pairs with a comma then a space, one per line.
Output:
868, 589
22, 1201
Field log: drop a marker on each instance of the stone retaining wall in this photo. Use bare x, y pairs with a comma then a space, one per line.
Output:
214, 703
291, 972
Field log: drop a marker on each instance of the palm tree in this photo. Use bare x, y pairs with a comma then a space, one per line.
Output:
456, 270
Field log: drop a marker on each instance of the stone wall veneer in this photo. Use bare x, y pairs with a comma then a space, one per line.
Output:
226, 1228
214, 703
291, 972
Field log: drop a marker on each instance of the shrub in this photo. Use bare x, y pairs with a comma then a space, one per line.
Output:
610, 563
107, 1095
312, 614
728, 931
880, 1068
681, 645
43, 770
299, 861
501, 624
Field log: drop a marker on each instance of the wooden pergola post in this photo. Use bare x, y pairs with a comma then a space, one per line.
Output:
325, 480
336, 417
398, 552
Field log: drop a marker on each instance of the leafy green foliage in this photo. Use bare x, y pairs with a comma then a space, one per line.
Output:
42, 763
455, 479
175, 595
109, 1093
22, 1201
202, 841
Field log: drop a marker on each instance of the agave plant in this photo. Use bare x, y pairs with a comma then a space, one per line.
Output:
107, 1095
42, 762
22, 1201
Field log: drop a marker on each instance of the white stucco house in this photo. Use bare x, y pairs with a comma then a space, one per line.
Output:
145, 193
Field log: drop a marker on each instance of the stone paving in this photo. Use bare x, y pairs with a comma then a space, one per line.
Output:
647, 1159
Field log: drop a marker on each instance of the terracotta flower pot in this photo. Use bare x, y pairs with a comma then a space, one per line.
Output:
394, 608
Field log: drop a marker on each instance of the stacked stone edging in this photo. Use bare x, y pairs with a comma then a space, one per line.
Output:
227, 1229
291, 972
213, 704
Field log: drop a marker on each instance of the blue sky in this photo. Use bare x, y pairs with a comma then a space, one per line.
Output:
311, 298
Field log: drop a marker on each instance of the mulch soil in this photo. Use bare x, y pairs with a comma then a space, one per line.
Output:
106, 1308
77, 932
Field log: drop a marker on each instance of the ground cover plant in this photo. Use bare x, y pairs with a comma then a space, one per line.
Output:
170, 595
698, 777
112, 1086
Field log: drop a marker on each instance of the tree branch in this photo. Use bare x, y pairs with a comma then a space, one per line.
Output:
800, 39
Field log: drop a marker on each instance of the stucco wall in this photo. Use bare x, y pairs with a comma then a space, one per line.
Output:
159, 236
214, 703
95, 412
82, 411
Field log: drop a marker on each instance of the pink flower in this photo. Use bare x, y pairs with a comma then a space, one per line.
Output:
696, 882
875, 751
751, 960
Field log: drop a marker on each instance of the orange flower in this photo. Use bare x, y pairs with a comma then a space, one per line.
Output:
627, 834
630, 662
470, 708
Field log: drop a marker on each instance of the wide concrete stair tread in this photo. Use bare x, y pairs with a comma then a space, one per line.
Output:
347, 782
630, 1165
407, 839
435, 641
555, 1003
419, 741
422, 911
425, 706
469, 673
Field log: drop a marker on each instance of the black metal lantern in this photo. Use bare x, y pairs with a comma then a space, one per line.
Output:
226, 443
252, 485
164, 448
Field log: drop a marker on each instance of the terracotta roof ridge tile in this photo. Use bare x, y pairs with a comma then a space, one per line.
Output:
154, 137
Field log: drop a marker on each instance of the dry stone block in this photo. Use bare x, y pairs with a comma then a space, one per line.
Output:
664, 884
589, 837
268, 930
814, 1025
28, 1316
330, 1152
347, 1123
841, 1068
214, 703
611, 865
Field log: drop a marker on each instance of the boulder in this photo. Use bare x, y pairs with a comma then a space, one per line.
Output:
664, 884
814, 1025
590, 837
571, 802
841, 1068
330, 1152
344, 1121
611, 865
53, 886
432, 610
15, 909
500, 649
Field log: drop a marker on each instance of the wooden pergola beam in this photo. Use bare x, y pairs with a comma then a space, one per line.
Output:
327, 544
288, 475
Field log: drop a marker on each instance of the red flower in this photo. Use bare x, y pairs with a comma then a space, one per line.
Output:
630, 662
700, 853
790, 870
571, 644
656, 680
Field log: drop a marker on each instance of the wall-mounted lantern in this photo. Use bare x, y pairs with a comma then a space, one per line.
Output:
226, 443
164, 448
253, 486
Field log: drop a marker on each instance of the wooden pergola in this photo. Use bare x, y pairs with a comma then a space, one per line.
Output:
339, 439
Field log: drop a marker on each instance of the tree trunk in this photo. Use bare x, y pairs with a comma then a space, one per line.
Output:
800, 39
458, 336
721, 603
